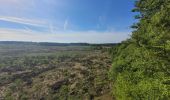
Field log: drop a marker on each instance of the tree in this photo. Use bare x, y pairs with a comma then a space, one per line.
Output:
141, 65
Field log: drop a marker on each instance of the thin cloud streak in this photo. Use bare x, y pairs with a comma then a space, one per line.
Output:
66, 24
66, 37
25, 21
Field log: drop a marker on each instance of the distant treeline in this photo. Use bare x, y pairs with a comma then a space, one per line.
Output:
54, 44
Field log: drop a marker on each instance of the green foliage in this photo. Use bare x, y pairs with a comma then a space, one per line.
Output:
141, 65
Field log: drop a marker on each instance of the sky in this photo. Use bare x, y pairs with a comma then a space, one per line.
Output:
66, 21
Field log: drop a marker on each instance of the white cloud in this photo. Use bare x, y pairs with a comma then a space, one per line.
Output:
51, 28
25, 21
66, 24
70, 36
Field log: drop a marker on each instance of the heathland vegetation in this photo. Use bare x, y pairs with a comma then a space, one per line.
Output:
53, 71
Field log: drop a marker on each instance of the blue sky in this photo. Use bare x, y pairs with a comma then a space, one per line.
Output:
92, 21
